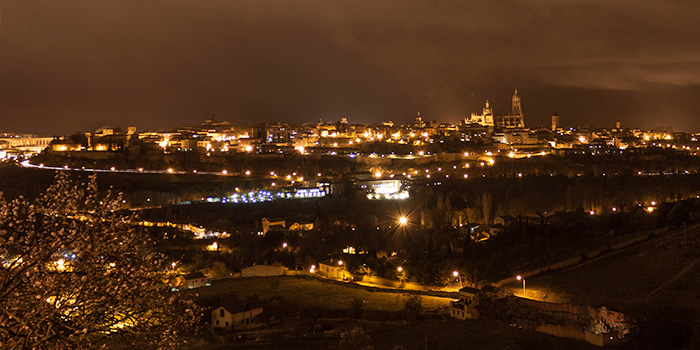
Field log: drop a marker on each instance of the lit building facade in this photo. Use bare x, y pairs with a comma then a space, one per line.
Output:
513, 120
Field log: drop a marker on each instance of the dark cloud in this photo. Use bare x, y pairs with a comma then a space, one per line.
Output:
77, 65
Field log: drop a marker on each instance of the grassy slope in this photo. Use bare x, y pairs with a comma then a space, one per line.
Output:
442, 333
469, 334
625, 280
302, 292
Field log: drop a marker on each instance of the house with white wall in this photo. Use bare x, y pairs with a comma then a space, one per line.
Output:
235, 316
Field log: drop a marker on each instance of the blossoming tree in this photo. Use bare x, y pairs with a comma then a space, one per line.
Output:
75, 273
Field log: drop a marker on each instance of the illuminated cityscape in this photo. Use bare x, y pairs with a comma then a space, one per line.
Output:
309, 175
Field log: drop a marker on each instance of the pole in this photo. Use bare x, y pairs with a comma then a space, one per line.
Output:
519, 277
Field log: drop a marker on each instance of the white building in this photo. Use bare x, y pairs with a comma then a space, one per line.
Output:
334, 269
24, 144
515, 138
234, 316
195, 280
464, 307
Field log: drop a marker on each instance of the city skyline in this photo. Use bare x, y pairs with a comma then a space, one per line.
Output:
395, 174
162, 64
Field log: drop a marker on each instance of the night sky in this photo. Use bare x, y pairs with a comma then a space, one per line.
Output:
68, 66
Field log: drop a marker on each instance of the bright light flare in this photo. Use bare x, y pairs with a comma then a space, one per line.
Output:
60, 265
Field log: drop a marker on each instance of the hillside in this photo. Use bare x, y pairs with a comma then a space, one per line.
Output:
662, 271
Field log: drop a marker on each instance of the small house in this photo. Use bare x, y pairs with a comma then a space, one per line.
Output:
464, 307
504, 220
334, 269
194, 280
235, 316
495, 229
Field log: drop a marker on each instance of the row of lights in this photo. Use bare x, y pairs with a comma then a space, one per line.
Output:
649, 209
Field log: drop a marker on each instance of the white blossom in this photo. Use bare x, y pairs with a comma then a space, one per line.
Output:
74, 273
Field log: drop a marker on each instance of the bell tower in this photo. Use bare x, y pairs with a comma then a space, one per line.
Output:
487, 109
517, 110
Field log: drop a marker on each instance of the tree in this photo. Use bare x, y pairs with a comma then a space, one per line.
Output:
75, 274
357, 305
355, 339
413, 307
217, 269
677, 216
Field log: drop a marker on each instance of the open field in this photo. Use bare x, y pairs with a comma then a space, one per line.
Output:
468, 334
303, 293
307, 292
663, 270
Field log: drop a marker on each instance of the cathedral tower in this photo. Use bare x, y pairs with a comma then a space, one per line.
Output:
487, 109
517, 110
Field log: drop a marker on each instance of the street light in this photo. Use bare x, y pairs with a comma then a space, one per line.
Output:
518, 277
403, 220
456, 274
401, 276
